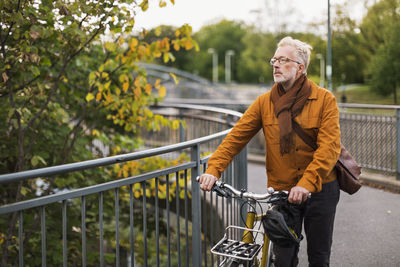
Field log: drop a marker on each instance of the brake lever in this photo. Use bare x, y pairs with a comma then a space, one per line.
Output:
219, 189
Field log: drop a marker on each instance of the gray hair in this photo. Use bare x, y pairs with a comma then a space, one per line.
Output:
303, 50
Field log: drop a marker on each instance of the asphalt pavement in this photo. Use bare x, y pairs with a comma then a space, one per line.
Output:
367, 225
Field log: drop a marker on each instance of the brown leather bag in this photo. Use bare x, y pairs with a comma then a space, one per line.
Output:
347, 170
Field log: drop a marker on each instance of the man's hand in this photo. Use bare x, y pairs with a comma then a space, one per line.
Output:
298, 195
207, 181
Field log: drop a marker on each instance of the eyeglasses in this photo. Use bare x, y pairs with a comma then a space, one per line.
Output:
282, 60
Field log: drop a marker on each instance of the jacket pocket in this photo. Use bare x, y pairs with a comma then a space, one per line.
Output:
271, 130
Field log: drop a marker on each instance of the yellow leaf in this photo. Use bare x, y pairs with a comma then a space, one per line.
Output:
125, 86
177, 46
92, 78
177, 33
166, 57
162, 3
157, 84
162, 91
133, 43
148, 88
173, 2
98, 96
123, 78
196, 46
107, 85
117, 91
144, 5
148, 113
175, 124
174, 77
95, 132
109, 98
188, 45
137, 92
89, 97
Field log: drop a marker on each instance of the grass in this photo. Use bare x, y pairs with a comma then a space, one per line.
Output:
361, 94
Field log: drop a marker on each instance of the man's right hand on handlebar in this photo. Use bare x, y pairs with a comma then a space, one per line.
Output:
207, 181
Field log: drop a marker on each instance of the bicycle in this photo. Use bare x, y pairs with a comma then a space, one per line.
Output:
244, 252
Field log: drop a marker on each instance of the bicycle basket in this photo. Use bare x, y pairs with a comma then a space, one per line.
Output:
229, 247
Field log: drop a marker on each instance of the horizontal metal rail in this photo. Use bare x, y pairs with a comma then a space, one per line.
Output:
41, 201
49, 171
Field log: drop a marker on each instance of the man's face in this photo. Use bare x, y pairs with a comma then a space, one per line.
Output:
286, 73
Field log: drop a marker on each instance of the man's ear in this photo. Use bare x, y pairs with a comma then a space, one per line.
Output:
301, 68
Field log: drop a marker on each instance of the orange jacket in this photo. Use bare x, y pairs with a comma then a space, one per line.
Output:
302, 166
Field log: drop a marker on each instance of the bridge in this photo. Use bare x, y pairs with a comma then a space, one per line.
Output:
160, 217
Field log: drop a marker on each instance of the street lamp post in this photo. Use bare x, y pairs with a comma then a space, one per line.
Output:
228, 55
215, 64
321, 69
329, 51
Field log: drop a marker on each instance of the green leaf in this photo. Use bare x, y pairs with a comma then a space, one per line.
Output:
35, 160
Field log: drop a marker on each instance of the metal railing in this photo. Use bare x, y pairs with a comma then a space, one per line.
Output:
112, 222
115, 224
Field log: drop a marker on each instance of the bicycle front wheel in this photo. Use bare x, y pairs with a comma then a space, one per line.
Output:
271, 257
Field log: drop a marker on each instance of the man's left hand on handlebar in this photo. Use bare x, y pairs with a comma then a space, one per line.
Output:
207, 181
298, 195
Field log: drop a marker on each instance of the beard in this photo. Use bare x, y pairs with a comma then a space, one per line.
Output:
285, 76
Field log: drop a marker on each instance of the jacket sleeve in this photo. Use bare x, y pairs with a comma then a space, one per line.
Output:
248, 125
328, 151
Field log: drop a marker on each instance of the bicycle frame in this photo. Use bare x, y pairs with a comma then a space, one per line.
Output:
248, 237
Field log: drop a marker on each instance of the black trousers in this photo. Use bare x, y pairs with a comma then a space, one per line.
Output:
318, 215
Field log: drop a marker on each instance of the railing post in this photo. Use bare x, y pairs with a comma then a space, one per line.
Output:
196, 208
398, 143
181, 129
240, 173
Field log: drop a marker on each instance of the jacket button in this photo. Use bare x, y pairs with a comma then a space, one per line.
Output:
298, 169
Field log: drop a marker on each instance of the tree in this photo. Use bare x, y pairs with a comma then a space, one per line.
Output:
380, 29
385, 65
68, 76
222, 36
349, 54
254, 66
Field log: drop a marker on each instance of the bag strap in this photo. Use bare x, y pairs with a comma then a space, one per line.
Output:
305, 137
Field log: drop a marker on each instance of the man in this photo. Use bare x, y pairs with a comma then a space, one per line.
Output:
291, 164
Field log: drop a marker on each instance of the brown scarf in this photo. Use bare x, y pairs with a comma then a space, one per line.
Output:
287, 105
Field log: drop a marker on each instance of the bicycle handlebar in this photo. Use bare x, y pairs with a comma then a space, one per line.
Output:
220, 188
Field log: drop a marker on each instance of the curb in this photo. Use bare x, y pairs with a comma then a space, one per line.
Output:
385, 182
380, 181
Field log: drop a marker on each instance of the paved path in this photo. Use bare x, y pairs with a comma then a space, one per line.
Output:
367, 226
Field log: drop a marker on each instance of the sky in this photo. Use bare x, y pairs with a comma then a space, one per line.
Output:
266, 14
